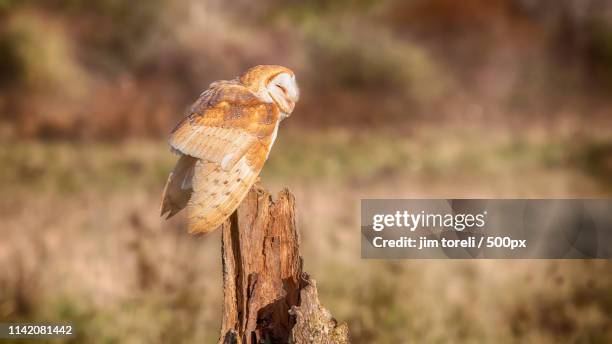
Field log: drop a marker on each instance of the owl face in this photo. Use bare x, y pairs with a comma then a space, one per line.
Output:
284, 91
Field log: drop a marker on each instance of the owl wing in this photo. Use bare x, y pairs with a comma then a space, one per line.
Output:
178, 188
221, 133
214, 129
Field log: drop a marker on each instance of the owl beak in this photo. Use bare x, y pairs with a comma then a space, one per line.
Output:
285, 103
290, 107
290, 98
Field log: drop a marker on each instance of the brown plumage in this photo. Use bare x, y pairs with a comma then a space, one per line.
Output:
223, 143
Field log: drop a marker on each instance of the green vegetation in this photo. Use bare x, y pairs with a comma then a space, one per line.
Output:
368, 63
337, 156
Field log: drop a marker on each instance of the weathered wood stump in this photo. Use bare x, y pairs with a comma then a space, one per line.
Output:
267, 297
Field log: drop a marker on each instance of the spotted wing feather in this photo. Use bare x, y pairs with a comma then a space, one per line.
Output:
217, 193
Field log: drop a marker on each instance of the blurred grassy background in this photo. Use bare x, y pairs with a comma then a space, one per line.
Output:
437, 98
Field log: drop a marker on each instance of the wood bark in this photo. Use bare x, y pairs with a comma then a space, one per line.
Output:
267, 297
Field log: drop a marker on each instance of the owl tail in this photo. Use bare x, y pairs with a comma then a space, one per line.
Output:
217, 193
178, 187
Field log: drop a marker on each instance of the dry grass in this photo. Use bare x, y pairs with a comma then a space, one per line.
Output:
82, 240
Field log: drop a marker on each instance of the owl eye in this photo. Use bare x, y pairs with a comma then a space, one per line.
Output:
282, 89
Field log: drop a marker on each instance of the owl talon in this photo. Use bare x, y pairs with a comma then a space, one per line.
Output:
257, 187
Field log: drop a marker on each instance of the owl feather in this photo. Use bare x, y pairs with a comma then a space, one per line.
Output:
223, 143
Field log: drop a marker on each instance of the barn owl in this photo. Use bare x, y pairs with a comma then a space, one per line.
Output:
223, 143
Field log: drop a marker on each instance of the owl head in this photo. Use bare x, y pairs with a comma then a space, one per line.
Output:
273, 84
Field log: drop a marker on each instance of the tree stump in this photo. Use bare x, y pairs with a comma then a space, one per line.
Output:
267, 297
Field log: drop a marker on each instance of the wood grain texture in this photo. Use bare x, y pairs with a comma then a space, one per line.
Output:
262, 274
314, 323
